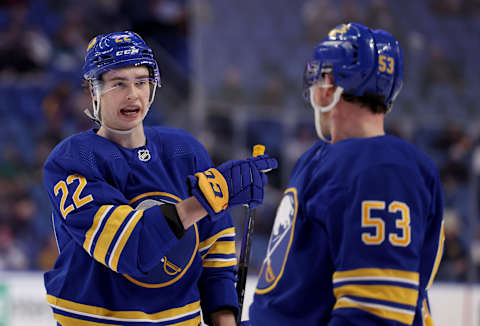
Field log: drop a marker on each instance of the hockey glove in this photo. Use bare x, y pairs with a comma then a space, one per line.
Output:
240, 182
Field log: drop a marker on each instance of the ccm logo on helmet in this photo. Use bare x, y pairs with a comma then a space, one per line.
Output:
128, 51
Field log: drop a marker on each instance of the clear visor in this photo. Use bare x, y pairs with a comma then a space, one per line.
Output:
312, 75
142, 86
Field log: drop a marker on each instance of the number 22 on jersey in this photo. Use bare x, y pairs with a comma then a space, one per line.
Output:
402, 224
77, 201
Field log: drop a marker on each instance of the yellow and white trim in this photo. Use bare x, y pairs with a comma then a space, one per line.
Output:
402, 315
377, 274
122, 316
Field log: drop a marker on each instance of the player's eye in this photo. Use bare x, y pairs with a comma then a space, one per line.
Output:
142, 82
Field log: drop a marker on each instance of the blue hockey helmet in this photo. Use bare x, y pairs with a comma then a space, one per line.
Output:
362, 60
114, 50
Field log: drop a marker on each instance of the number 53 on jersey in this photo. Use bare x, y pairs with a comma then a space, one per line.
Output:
375, 226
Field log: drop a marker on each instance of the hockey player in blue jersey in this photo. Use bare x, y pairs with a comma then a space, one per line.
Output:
358, 235
130, 205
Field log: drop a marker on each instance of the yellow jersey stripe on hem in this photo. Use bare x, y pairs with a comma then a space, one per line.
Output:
386, 312
123, 316
191, 322
390, 293
70, 321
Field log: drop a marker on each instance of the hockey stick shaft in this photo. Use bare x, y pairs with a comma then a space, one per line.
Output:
246, 246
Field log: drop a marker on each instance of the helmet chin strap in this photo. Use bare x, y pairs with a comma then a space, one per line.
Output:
118, 131
317, 109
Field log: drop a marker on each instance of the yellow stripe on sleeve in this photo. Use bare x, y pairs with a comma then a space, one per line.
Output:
111, 227
401, 315
221, 247
390, 293
229, 232
220, 262
377, 274
97, 221
122, 241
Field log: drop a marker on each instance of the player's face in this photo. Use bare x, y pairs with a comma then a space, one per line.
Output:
124, 97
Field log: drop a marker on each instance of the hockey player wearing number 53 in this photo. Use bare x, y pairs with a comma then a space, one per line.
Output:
139, 212
358, 235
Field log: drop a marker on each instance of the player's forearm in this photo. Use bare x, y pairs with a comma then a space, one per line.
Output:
190, 211
223, 318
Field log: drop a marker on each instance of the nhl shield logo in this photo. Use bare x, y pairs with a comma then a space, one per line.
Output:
144, 155
280, 242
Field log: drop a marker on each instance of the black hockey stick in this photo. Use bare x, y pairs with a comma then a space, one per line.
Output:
244, 258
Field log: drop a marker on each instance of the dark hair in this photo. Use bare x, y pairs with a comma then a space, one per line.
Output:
374, 102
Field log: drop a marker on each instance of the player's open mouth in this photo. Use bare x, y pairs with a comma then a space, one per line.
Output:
130, 111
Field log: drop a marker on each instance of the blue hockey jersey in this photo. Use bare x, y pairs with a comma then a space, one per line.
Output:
120, 263
357, 238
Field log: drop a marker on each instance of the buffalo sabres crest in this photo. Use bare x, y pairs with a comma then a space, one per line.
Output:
280, 242
178, 259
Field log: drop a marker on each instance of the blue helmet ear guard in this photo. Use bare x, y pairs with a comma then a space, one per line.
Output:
114, 50
363, 61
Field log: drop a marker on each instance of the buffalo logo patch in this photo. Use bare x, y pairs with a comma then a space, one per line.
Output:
279, 243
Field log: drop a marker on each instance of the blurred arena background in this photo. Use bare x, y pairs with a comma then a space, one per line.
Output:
232, 75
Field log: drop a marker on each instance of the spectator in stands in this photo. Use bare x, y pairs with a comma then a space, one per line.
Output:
439, 70
23, 49
70, 42
232, 89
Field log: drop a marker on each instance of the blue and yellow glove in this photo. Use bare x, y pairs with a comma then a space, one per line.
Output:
239, 182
